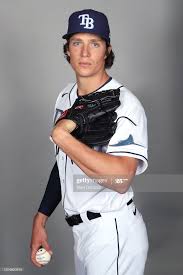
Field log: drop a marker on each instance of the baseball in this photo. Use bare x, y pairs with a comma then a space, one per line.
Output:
42, 256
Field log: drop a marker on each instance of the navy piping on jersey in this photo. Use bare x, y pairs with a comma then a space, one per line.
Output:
65, 180
128, 153
70, 94
57, 150
127, 118
108, 80
120, 86
117, 235
56, 114
64, 94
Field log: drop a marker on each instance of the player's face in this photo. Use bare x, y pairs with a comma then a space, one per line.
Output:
87, 54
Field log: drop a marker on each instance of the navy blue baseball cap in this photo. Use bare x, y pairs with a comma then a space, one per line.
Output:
88, 21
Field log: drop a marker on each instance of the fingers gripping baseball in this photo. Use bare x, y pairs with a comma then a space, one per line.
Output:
39, 239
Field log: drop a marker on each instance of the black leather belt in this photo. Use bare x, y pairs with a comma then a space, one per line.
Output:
76, 219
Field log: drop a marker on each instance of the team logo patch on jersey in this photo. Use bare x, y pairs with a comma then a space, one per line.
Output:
127, 141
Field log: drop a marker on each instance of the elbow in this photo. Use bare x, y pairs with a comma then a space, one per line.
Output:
123, 184
55, 135
127, 170
123, 189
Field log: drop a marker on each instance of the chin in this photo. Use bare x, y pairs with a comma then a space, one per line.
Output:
82, 70
85, 74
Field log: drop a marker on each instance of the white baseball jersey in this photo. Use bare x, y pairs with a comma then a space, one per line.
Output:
129, 139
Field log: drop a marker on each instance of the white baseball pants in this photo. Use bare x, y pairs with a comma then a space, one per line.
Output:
114, 244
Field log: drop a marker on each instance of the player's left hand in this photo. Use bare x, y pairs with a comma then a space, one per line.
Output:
92, 116
89, 108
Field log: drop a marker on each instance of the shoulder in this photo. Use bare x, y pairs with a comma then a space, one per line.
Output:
64, 94
128, 99
130, 104
66, 90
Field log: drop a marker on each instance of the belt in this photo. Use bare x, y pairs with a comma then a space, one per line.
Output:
76, 219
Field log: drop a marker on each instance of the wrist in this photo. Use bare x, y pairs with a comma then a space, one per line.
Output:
40, 219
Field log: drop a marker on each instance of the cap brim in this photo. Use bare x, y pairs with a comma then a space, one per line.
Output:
68, 35
65, 36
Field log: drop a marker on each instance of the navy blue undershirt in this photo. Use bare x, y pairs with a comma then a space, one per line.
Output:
52, 195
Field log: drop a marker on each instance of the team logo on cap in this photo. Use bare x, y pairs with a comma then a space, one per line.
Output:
86, 21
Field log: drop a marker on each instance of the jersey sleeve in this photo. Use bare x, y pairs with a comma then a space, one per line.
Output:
130, 138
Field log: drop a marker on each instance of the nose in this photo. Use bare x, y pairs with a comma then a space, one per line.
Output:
85, 51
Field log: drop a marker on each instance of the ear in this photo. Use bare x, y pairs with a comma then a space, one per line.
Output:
67, 48
68, 53
108, 50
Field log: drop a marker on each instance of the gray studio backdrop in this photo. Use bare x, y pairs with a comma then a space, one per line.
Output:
147, 41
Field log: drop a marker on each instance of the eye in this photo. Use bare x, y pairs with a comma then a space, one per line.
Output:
76, 43
95, 44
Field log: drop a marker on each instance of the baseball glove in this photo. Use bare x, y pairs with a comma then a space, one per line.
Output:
94, 115
98, 132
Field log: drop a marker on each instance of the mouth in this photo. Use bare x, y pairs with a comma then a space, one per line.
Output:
84, 64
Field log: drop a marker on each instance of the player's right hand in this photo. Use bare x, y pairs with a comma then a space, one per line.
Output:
39, 237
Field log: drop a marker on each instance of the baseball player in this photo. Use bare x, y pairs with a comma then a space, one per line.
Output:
100, 141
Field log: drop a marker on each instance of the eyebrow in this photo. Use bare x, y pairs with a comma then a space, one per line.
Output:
95, 40
91, 40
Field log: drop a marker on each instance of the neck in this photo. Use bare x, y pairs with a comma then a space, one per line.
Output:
87, 85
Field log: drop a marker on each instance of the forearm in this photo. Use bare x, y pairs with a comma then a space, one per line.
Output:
118, 183
52, 195
95, 164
